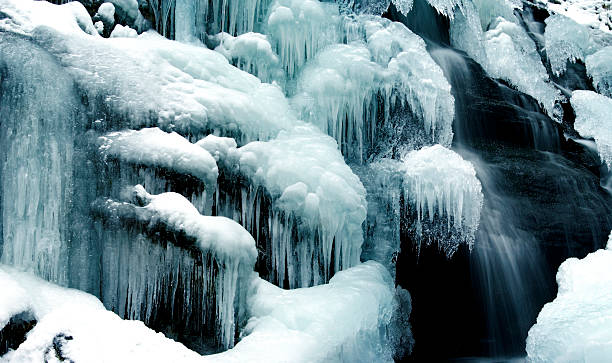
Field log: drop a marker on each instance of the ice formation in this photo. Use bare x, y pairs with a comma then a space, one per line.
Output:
73, 325
313, 192
439, 186
593, 121
349, 88
299, 28
599, 68
151, 80
106, 12
250, 52
576, 325
505, 50
156, 148
225, 258
566, 41
315, 324
513, 56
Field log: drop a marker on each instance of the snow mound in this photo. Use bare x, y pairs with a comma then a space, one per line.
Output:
599, 68
106, 12
316, 324
156, 148
576, 325
121, 31
306, 177
565, 40
593, 121
75, 326
442, 194
250, 52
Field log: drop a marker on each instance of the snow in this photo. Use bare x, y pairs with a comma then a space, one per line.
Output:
75, 325
316, 324
130, 7
250, 52
152, 81
285, 325
106, 12
339, 90
575, 326
593, 121
223, 243
156, 148
121, 31
599, 68
306, 176
513, 56
595, 14
299, 28
438, 186
23, 16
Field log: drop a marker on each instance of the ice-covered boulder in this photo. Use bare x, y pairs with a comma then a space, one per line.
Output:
566, 41
512, 56
156, 148
349, 90
212, 277
121, 31
599, 68
593, 121
575, 326
443, 196
306, 177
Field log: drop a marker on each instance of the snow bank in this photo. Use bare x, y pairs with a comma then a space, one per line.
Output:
73, 325
151, 81
250, 52
156, 148
442, 193
576, 325
299, 28
348, 88
316, 324
593, 121
599, 68
306, 177
299, 325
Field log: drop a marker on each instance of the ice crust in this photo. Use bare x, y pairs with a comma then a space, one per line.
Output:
566, 41
593, 121
251, 52
575, 326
